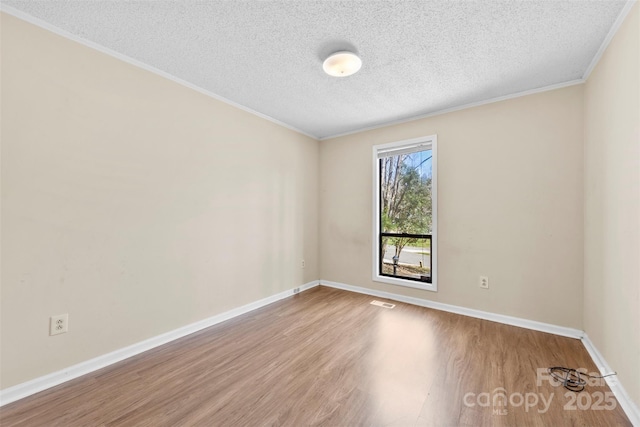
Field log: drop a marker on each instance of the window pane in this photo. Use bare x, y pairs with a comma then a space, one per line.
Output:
405, 193
407, 258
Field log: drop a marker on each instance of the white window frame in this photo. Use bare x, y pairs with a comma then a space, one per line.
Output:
401, 147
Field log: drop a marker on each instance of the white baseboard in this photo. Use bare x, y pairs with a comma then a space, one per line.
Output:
500, 318
36, 385
629, 407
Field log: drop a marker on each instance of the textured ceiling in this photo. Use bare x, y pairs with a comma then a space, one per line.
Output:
418, 57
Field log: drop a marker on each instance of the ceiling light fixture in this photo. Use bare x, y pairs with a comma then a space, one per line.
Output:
342, 64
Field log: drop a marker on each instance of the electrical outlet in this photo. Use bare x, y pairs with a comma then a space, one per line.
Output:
59, 324
302, 264
296, 290
484, 282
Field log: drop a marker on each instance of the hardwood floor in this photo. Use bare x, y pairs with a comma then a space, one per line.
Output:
327, 357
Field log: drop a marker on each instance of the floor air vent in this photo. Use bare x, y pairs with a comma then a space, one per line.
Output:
382, 304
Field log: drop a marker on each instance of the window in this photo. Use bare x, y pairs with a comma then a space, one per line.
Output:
404, 249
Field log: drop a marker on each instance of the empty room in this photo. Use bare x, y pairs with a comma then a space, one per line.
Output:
320, 213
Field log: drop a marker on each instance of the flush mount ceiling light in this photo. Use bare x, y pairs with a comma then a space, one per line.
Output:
342, 64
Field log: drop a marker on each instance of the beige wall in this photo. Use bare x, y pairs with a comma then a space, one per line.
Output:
138, 206
509, 206
134, 204
612, 207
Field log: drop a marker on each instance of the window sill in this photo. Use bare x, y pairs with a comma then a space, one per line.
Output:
406, 283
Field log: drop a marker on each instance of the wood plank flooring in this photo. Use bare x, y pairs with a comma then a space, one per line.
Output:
327, 357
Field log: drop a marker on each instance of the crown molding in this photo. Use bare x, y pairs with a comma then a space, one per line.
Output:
56, 30
139, 64
607, 40
458, 108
